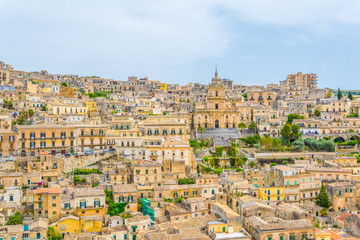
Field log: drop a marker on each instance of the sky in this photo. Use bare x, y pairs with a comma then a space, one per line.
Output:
180, 41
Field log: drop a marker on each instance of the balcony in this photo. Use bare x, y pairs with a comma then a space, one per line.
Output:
89, 207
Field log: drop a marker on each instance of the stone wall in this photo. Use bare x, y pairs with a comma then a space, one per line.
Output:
352, 224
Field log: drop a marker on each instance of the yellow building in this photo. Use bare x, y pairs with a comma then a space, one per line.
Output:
53, 139
91, 106
90, 202
322, 235
91, 223
62, 108
147, 174
217, 227
7, 143
218, 112
163, 86
67, 92
69, 224
46, 202
271, 194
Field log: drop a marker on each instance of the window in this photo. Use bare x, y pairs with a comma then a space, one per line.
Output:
54, 205
62, 226
96, 203
67, 205
82, 204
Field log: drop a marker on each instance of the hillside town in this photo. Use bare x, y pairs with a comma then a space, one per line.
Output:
88, 158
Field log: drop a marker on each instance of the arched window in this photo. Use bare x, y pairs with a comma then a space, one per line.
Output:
216, 106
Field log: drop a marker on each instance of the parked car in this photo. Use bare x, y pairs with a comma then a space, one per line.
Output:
112, 149
91, 151
106, 150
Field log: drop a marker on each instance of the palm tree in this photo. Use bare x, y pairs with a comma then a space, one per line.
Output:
201, 130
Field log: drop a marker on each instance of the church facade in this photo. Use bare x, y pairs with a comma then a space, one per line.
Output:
219, 111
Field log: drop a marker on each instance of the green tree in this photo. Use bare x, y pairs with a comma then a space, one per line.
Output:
201, 130
339, 94
322, 198
8, 104
252, 164
323, 212
276, 142
22, 118
43, 108
64, 84
266, 141
285, 132
317, 112
257, 146
31, 113
231, 151
298, 145
116, 208
242, 126
15, 219
273, 164
179, 200
218, 171
219, 150
328, 94
253, 126
53, 235
250, 140
182, 181
293, 116
350, 96
295, 131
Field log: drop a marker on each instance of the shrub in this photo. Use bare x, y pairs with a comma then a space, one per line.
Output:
15, 219
182, 181
298, 144
218, 171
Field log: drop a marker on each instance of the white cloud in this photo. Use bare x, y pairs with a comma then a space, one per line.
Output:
118, 38
285, 12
